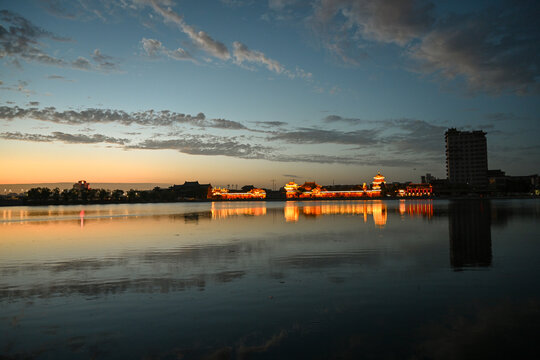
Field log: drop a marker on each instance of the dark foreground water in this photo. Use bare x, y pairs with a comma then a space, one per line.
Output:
333, 279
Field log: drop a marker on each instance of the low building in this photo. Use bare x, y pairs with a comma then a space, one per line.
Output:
499, 182
418, 190
312, 190
81, 185
226, 194
192, 190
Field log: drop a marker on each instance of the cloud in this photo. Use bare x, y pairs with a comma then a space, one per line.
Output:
492, 50
279, 5
20, 87
320, 136
63, 137
415, 137
20, 39
200, 38
345, 160
82, 63
242, 53
501, 116
33, 103
350, 121
345, 26
270, 123
492, 56
104, 116
236, 3
207, 145
154, 48
58, 77
391, 21
104, 62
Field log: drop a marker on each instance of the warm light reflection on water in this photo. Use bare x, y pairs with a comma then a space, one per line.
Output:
223, 210
376, 209
281, 280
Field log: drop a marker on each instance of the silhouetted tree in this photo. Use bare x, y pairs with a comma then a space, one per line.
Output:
117, 195
103, 194
64, 195
56, 195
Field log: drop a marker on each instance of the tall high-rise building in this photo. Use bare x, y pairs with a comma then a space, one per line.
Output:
466, 157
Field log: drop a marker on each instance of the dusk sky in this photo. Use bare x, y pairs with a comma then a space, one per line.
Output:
243, 92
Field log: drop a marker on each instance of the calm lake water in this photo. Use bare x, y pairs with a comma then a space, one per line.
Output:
334, 279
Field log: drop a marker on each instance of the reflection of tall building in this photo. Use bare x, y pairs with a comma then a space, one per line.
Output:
470, 233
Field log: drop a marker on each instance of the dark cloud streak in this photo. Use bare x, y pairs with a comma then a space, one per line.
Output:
104, 116
63, 137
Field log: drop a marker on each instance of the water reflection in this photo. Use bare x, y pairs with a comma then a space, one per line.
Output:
416, 207
223, 210
377, 209
470, 233
269, 280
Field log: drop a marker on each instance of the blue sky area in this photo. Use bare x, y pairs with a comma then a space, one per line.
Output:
239, 91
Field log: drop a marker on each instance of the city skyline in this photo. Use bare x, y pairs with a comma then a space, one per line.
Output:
162, 91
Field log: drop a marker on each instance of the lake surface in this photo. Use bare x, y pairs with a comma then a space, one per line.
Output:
271, 280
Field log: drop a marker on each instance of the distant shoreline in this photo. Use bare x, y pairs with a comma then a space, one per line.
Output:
476, 197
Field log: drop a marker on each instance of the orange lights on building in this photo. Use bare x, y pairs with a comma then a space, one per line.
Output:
81, 185
312, 190
224, 194
378, 180
418, 190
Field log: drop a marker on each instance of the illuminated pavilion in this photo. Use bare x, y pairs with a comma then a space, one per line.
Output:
311, 190
224, 194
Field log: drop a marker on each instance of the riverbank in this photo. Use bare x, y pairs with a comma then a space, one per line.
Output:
20, 202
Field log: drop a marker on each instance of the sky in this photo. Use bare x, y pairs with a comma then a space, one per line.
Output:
262, 92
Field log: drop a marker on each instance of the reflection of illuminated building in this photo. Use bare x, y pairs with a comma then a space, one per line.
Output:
312, 190
470, 233
225, 194
377, 209
291, 211
416, 207
220, 212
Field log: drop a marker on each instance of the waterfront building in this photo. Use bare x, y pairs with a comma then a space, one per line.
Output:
501, 183
313, 190
81, 185
192, 190
418, 190
466, 157
226, 194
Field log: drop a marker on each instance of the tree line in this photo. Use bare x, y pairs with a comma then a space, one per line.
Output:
46, 196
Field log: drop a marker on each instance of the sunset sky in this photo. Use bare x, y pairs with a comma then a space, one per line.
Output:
246, 91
